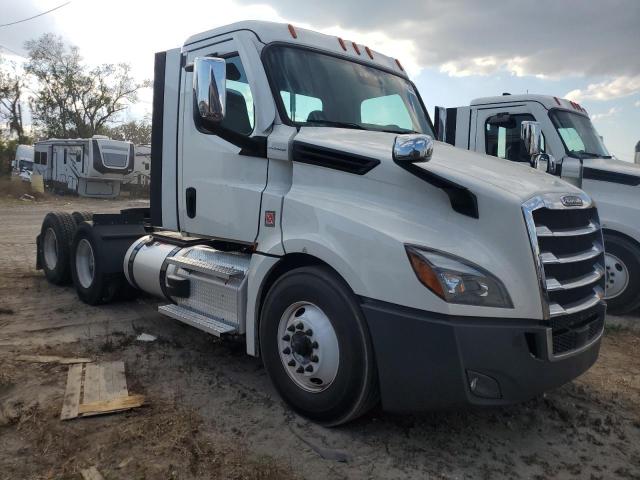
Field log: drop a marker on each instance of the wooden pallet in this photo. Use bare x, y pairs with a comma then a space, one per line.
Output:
95, 389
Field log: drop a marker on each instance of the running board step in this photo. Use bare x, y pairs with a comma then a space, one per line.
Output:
195, 265
197, 320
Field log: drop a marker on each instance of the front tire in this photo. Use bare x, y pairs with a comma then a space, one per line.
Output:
316, 346
622, 263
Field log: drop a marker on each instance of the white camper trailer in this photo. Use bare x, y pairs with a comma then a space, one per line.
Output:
90, 167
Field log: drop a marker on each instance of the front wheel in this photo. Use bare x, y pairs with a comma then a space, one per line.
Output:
622, 263
316, 348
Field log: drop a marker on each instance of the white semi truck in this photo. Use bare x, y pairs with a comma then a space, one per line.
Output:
573, 151
298, 200
89, 167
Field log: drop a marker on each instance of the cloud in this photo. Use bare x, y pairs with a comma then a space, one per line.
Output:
637, 104
613, 111
466, 37
607, 90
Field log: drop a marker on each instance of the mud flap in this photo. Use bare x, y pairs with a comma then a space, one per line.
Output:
38, 253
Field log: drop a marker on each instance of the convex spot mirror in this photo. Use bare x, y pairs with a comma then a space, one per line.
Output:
209, 88
412, 148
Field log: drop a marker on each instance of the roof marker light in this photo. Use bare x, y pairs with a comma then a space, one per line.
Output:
292, 31
399, 65
341, 42
368, 50
355, 47
557, 101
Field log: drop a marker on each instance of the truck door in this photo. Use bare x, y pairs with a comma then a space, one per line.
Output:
498, 131
221, 175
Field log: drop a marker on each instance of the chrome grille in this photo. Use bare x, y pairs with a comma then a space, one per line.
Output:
569, 255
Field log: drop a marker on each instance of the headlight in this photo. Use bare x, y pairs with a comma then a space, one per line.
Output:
456, 280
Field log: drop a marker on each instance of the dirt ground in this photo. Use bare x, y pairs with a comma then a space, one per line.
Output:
211, 412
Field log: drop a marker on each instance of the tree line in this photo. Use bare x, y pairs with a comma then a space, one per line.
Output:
66, 97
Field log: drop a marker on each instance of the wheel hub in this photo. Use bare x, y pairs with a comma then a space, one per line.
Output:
85, 263
301, 347
617, 276
50, 249
308, 346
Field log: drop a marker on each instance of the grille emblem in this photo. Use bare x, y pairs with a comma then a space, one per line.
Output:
571, 201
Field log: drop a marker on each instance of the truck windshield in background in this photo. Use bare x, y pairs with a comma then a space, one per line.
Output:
578, 135
317, 89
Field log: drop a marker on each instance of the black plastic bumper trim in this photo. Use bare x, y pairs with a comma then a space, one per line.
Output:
423, 358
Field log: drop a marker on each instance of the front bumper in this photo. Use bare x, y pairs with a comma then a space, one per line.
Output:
429, 361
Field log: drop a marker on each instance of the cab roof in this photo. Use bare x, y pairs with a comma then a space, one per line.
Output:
548, 101
269, 32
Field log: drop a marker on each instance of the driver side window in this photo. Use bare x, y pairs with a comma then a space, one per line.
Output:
502, 138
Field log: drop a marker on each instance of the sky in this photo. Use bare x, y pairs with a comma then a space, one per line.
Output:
454, 50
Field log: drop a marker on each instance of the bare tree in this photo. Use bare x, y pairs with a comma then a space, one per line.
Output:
72, 99
11, 96
138, 132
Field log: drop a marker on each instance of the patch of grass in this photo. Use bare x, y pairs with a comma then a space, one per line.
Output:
614, 328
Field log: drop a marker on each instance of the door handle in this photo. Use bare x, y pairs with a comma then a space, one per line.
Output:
191, 202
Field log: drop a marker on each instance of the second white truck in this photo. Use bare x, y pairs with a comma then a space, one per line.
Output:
574, 152
298, 200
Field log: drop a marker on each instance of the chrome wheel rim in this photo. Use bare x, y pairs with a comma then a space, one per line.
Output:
617, 276
85, 263
308, 347
50, 249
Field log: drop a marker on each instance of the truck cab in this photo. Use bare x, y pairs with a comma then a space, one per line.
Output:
573, 151
299, 200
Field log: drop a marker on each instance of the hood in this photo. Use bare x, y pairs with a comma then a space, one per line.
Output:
468, 169
610, 170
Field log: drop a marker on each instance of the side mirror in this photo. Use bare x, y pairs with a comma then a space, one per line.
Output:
440, 123
531, 135
412, 148
209, 88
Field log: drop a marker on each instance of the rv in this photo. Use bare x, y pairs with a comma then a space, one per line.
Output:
89, 167
571, 150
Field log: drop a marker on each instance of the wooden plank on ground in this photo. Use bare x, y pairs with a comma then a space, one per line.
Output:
91, 473
95, 389
109, 406
72, 393
91, 384
115, 380
52, 359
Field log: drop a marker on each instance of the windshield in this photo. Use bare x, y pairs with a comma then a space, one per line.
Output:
25, 164
578, 135
316, 89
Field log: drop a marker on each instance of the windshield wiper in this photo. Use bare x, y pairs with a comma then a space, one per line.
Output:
334, 123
